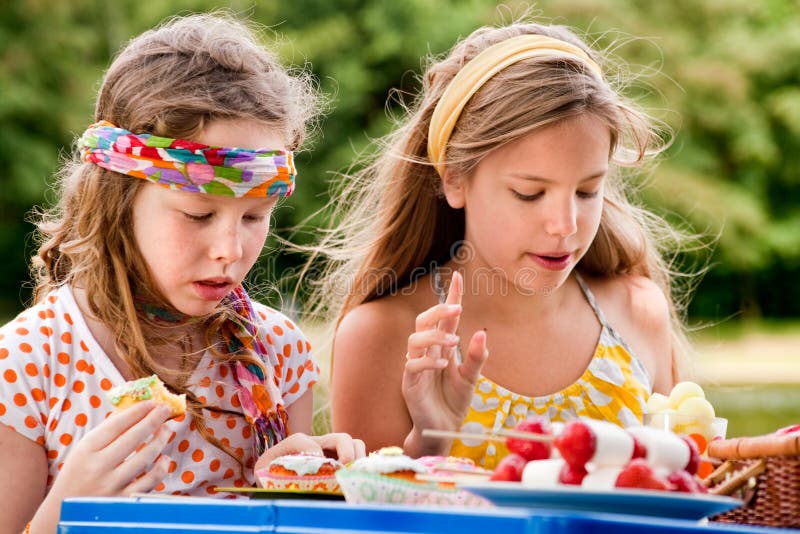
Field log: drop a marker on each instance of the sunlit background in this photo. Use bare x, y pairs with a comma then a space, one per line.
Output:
724, 75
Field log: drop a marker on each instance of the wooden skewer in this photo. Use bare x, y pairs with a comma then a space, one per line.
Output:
501, 435
519, 434
431, 433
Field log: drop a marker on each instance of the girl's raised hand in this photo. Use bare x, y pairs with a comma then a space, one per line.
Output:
108, 460
436, 387
336, 445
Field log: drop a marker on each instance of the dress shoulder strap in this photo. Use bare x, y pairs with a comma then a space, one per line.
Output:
591, 300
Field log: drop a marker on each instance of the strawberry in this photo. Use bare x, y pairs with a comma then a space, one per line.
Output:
576, 443
639, 450
531, 450
510, 468
685, 482
639, 474
694, 455
572, 475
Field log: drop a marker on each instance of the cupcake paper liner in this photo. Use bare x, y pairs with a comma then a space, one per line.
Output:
321, 484
359, 488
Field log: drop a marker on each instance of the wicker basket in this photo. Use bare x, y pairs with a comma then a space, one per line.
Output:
764, 472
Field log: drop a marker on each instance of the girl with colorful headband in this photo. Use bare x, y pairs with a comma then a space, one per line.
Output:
139, 272
496, 267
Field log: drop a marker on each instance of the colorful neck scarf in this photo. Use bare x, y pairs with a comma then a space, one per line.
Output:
258, 393
189, 166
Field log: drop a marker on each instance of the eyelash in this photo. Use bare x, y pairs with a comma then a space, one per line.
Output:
207, 216
531, 198
197, 218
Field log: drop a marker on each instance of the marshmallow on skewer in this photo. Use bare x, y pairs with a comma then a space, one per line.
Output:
613, 445
594, 444
604, 478
666, 452
542, 473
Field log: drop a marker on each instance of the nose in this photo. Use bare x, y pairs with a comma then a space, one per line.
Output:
562, 218
226, 242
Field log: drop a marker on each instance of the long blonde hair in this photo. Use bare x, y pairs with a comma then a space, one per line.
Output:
171, 81
391, 221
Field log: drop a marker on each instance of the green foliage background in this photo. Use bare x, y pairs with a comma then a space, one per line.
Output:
724, 74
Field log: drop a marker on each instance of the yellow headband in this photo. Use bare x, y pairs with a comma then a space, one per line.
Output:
481, 69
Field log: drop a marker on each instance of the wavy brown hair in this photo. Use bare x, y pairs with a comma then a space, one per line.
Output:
171, 81
392, 222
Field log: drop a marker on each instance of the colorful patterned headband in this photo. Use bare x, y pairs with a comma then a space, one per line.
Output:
481, 69
189, 166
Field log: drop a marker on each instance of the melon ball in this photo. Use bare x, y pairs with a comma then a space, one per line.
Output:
698, 408
683, 391
658, 403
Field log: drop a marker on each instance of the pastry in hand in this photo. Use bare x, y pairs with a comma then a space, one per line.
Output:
143, 389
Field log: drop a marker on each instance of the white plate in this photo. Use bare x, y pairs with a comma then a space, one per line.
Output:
618, 501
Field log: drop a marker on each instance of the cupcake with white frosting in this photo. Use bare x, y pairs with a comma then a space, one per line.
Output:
301, 472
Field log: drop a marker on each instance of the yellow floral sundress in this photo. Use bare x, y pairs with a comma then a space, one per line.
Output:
614, 387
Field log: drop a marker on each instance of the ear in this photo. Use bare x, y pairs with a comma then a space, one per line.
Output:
454, 186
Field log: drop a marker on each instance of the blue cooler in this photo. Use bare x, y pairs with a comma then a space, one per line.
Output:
199, 515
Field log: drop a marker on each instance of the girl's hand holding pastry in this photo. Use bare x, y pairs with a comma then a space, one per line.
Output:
337, 445
108, 460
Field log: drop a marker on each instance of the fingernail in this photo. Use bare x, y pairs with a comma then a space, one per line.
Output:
442, 362
452, 338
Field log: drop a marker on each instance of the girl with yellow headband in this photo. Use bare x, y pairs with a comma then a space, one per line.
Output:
162, 213
494, 266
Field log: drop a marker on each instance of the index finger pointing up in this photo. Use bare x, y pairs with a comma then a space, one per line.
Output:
450, 324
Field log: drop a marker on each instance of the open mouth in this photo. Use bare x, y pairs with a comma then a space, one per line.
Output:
554, 262
213, 289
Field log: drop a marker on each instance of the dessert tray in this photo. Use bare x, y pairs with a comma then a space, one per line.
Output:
625, 501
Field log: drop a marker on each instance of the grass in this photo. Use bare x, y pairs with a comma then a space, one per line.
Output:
751, 374
752, 410
749, 370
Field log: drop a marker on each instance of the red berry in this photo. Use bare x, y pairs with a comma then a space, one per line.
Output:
572, 475
576, 443
528, 449
510, 468
683, 481
694, 455
638, 474
639, 450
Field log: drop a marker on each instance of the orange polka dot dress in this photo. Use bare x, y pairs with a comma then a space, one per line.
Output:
55, 377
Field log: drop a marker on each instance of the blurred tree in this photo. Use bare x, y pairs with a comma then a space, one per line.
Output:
728, 69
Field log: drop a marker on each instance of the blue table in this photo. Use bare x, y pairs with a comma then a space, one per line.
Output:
199, 515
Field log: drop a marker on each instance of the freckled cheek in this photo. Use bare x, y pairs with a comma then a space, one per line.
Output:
253, 243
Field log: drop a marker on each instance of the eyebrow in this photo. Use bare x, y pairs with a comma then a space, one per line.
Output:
534, 178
